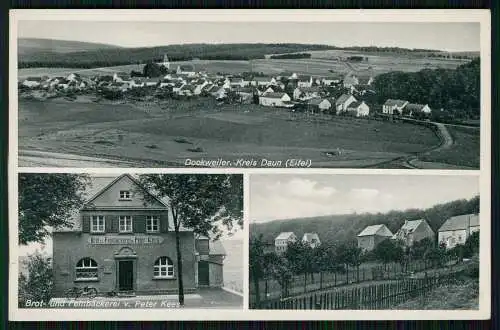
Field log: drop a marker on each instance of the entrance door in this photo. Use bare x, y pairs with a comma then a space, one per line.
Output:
203, 273
126, 275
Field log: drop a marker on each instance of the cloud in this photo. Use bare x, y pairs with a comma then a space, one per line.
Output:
301, 188
364, 193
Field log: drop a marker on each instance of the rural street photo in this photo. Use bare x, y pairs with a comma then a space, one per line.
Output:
236, 95
367, 242
130, 241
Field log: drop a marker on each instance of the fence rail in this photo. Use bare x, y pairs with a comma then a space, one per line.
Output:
372, 296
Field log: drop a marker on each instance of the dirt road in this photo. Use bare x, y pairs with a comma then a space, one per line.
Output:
32, 158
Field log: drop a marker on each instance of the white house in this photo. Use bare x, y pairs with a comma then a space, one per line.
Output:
393, 105
282, 240
343, 102
32, 82
371, 236
456, 230
328, 81
151, 82
304, 81
263, 81
312, 239
274, 100
305, 93
359, 109
121, 77
350, 80
187, 70
199, 87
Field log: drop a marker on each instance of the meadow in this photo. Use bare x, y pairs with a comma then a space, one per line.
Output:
169, 132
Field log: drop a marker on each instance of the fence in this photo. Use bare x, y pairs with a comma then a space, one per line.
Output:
371, 296
270, 288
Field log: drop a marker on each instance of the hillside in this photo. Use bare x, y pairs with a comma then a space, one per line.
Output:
28, 47
118, 56
342, 228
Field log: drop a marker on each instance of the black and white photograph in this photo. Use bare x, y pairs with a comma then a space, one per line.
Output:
390, 94
364, 242
149, 241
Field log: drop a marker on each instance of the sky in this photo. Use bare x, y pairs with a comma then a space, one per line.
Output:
284, 196
428, 35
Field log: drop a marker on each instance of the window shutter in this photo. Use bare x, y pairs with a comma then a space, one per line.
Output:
139, 223
164, 222
86, 223
108, 224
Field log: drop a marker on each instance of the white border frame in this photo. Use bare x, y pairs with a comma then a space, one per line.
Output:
484, 174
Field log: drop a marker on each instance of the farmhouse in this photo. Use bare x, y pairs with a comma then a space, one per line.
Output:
304, 81
371, 236
274, 99
412, 108
304, 93
350, 80
282, 240
318, 104
263, 81
358, 109
333, 80
414, 231
122, 241
312, 239
457, 229
187, 70
393, 105
343, 102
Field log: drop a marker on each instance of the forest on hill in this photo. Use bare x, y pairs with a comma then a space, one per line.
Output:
185, 52
456, 91
344, 228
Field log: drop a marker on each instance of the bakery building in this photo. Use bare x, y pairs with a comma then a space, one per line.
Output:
121, 241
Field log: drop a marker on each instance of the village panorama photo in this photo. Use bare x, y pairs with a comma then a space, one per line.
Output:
402, 95
130, 241
365, 242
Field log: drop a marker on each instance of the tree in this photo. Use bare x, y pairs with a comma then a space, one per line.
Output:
389, 251
47, 200
37, 284
257, 264
471, 245
153, 70
207, 204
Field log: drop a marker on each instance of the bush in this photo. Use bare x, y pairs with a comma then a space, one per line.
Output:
37, 284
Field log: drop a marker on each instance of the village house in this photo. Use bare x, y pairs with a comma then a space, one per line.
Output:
186, 70
263, 81
412, 108
121, 241
305, 81
263, 90
414, 231
333, 80
343, 102
358, 109
394, 105
32, 82
238, 82
305, 93
186, 90
312, 239
282, 240
151, 82
350, 80
245, 93
200, 86
121, 77
275, 100
364, 80
371, 236
319, 105
457, 229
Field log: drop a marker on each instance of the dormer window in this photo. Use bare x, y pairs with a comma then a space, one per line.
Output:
125, 195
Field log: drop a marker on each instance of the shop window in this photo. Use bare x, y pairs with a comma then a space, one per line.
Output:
152, 223
97, 224
125, 223
163, 268
125, 194
86, 269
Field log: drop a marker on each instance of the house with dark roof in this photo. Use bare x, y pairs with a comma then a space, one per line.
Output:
457, 229
371, 236
275, 100
122, 239
414, 231
263, 81
319, 105
343, 101
358, 109
312, 239
412, 108
392, 107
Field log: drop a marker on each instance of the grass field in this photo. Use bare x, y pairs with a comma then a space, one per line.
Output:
319, 64
151, 132
463, 152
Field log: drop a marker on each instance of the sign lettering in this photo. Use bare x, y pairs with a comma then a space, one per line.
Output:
110, 240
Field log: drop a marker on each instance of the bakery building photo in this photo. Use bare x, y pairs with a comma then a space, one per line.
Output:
122, 242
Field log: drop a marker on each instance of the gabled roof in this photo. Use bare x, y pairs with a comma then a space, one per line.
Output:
381, 230
116, 180
285, 235
460, 222
408, 227
355, 104
392, 102
309, 237
414, 107
342, 98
